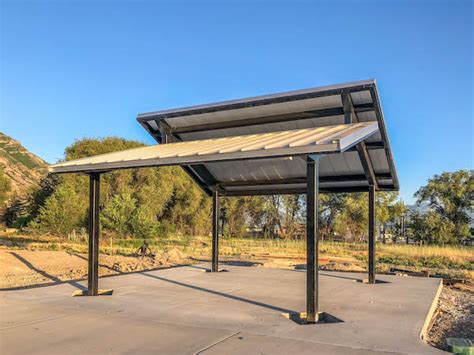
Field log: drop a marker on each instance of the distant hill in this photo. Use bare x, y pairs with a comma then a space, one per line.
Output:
23, 168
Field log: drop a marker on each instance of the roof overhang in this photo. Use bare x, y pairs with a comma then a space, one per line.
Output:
368, 162
276, 147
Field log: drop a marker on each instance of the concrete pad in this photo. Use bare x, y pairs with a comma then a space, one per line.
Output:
185, 310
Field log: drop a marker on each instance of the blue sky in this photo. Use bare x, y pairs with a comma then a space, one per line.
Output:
73, 69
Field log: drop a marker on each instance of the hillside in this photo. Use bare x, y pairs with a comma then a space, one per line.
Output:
22, 168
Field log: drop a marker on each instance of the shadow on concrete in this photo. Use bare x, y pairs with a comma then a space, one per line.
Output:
55, 279
75, 281
222, 294
356, 279
198, 267
231, 262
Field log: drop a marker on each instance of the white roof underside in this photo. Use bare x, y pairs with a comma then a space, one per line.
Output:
303, 109
250, 158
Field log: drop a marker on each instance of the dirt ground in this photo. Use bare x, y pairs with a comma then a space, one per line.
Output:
20, 268
454, 317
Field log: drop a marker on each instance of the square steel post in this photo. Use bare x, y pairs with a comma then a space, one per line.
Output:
215, 230
371, 276
93, 267
312, 251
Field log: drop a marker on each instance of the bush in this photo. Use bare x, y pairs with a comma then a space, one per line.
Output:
64, 211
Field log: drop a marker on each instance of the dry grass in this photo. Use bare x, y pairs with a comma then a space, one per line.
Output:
452, 262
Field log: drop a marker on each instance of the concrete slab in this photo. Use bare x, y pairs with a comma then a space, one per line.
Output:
185, 310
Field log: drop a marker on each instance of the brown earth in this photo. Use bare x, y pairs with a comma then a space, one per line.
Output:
454, 317
20, 268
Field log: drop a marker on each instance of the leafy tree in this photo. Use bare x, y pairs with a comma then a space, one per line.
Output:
5, 186
451, 196
63, 212
398, 215
383, 211
331, 205
431, 228
118, 214
353, 219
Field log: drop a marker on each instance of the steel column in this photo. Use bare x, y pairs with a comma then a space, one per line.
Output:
93, 267
312, 251
215, 230
371, 277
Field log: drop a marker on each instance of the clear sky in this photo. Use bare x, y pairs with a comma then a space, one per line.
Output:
73, 69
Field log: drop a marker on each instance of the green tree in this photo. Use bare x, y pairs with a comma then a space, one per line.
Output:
431, 228
5, 186
64, 211
451, 196
331, 205
353, 219
118, 214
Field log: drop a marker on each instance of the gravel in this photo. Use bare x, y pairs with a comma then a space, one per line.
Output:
454, 317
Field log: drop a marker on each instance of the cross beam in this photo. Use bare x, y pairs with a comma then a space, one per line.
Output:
311, 114
350, 116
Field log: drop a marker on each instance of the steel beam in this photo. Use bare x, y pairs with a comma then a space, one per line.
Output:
94, 230
350, 116
302, 180
301, 190
215, 230
371, 276
312, 251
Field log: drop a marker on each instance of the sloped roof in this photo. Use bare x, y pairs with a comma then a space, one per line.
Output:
356, 102
243, 151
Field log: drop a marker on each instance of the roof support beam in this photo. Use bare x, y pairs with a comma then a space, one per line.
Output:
198, 172
350, 116
312, 249
215, 230
322, 179
297, 191
94, 230
328, 112
369, 146
371, 241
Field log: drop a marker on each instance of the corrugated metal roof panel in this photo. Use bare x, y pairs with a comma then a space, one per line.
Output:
265, 145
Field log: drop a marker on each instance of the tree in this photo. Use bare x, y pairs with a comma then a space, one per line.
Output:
383, 210
431, 228
398, 215
451, 196
353, 219
63, 212
331, 205
5, 186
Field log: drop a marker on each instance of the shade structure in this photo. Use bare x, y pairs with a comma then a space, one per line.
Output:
355, 169
278, 146
330, 139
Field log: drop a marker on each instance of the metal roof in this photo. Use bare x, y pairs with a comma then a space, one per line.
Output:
358, 102
248, 153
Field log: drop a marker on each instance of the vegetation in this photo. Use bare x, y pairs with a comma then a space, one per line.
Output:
159, 202
5, 186
450, 197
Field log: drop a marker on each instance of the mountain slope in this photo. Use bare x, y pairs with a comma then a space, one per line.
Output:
22, 168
